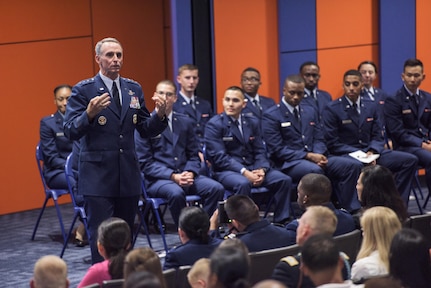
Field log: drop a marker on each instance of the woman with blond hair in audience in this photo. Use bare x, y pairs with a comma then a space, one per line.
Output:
143, 259
379, 225
113, 243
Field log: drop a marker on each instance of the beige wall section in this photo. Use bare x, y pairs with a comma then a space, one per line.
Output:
246, 35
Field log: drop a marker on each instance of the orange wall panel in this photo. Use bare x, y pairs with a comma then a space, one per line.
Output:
139, 28
246, 35
346, 23
33, 70
29, 20
335, 62
423, 41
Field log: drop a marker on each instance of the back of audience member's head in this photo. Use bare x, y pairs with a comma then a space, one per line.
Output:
242, 209
195, 223
315, 220
379, 189
409, 259
379, 225
50, 271
269, 283
320, 259
143, 259
383, 281
142, 279
113, 242
314, 189
199, 273
229, 265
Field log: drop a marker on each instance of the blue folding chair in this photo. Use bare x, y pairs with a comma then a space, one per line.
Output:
53, 194
153, 204
79, 211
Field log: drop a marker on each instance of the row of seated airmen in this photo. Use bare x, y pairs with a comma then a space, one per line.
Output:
301, 135
257, 143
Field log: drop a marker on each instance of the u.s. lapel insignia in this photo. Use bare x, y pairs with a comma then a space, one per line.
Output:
102, 120
131, 93
135, 118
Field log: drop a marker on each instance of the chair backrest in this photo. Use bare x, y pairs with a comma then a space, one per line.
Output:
39, 161
422, 223
69, 175
115, 283
262, 263
350, 243
182, 281
170, 276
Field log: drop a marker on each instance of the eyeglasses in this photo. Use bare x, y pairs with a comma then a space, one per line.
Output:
252, 79
314, 75
168, 94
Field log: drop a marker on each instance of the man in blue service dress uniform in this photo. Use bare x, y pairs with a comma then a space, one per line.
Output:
295, 141
351, 123
104, 112
235, 149
170, 161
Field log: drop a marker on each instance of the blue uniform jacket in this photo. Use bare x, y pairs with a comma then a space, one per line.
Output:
287, 141
190, 252
54, 145
323, 99
200, 116
107, 164
169, 152
344, 134
262, 235
251, 110
407, 126
229, 150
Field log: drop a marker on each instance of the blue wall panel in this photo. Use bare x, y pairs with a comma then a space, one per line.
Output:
397, 40
182, 34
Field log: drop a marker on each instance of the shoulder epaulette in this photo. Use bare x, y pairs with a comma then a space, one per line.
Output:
86, 81
290, 260
130, 80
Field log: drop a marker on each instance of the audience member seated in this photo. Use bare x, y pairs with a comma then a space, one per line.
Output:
235, 148
196, 243
49, 271
322, 262
315, 221
376, 187
229, 265
316, 189
257, 234
409, 259
379, 225
143, 259
113, 242
142, 279
199, 273
170, 161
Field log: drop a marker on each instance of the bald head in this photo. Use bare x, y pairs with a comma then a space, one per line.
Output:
50, 272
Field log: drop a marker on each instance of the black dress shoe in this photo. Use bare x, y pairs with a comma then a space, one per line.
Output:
80, 243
